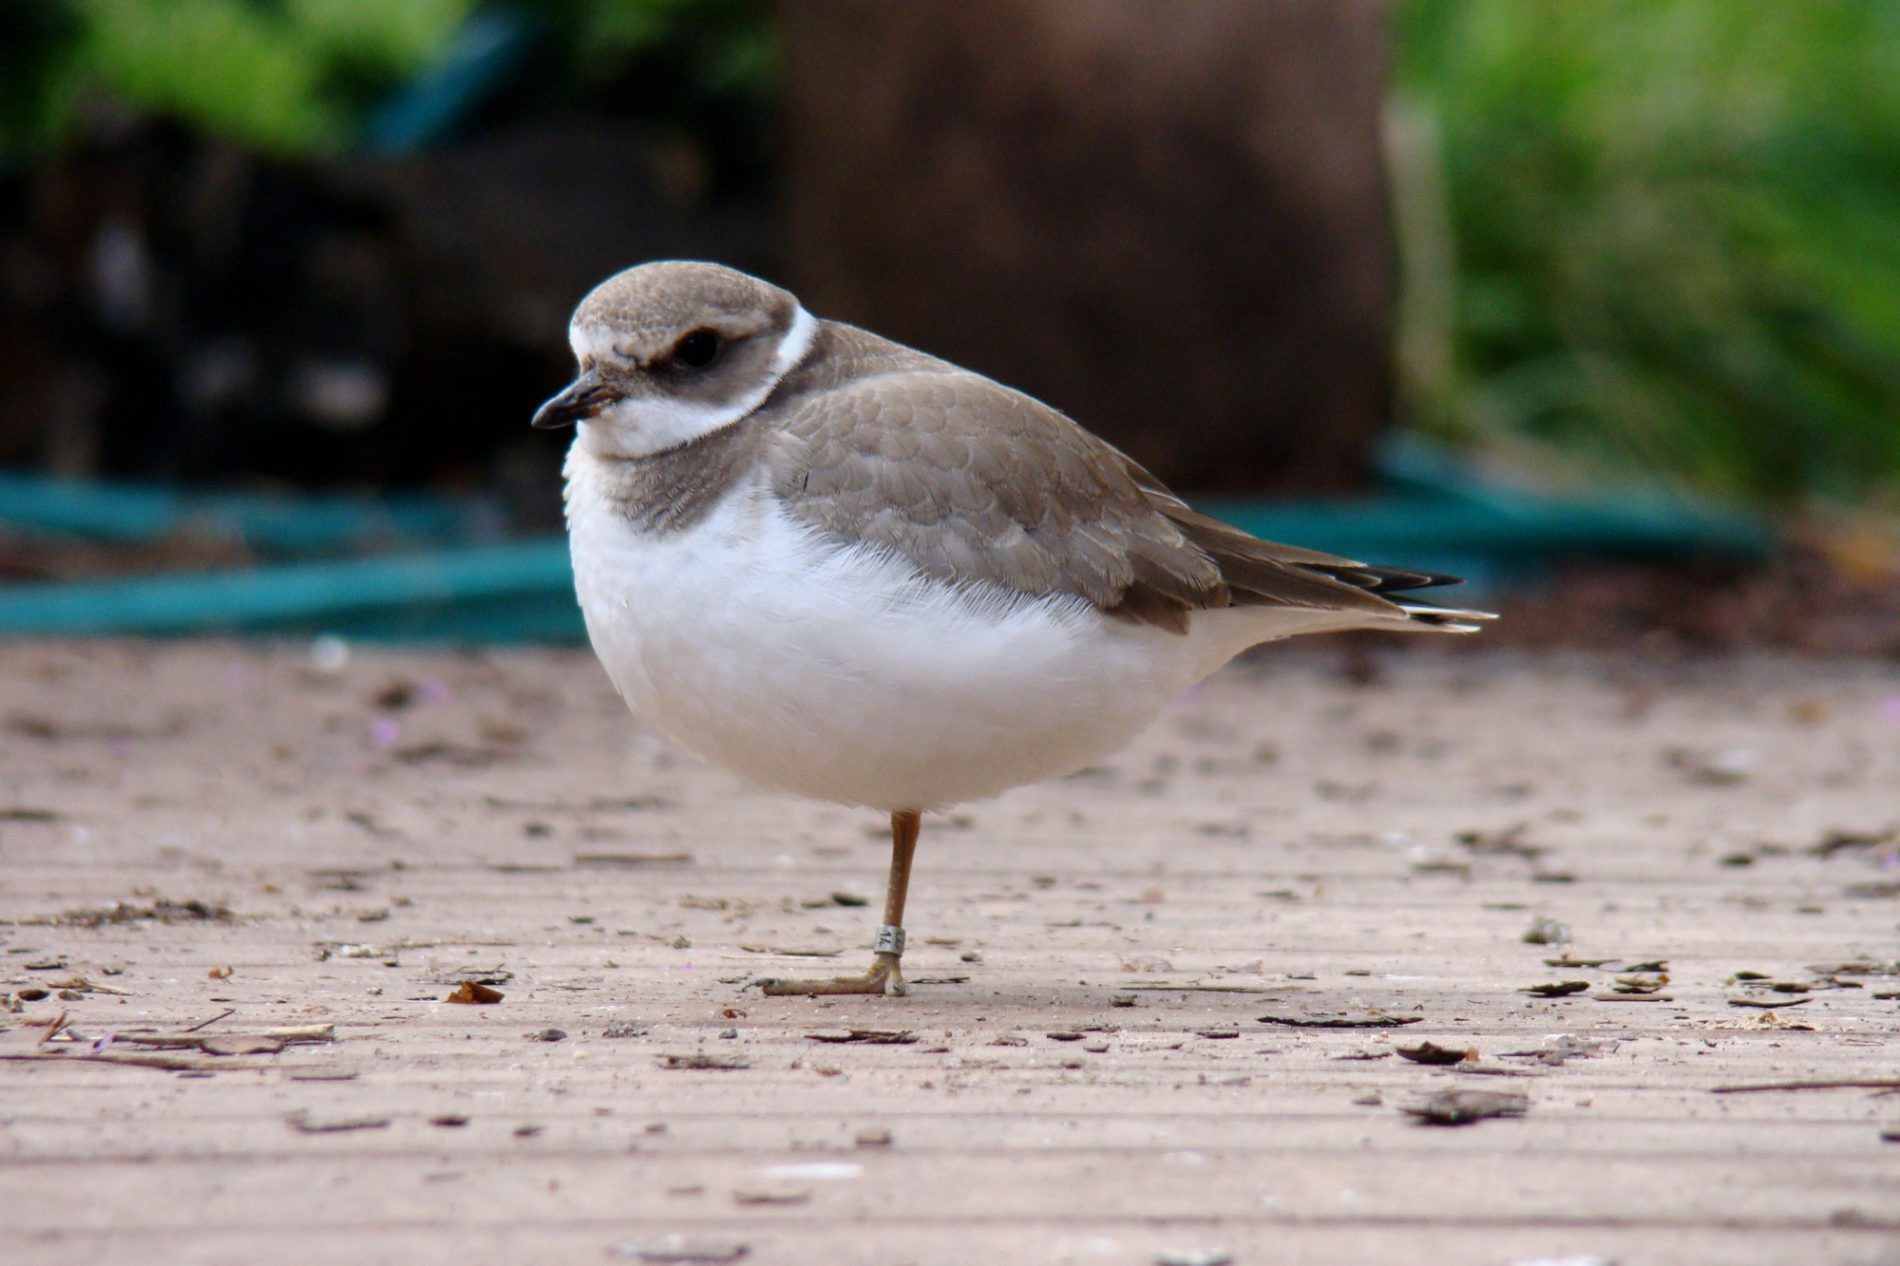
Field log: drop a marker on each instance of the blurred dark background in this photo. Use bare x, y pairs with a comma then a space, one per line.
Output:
332, 244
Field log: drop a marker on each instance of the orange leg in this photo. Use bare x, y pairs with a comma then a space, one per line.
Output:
884, 974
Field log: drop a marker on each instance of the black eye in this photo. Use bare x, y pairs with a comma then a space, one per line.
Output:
697, 350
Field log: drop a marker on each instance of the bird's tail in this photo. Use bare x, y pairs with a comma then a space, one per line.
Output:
1426, 618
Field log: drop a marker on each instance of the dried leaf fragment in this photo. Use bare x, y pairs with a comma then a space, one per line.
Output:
1839, 840
1558, 988
1463, 1107
864, 1037
1323, 1020
1509, 842
470, 993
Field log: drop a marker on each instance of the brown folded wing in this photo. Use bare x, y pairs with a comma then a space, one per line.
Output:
974, 483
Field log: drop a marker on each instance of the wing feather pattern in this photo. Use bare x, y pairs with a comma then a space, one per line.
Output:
976, 484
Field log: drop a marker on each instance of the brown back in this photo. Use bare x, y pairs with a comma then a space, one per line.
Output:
972, 482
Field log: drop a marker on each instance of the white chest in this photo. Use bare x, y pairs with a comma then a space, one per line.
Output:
840, 673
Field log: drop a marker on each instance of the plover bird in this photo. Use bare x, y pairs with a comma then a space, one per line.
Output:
845, 569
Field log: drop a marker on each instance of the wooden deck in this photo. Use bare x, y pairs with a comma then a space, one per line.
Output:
1090, 1068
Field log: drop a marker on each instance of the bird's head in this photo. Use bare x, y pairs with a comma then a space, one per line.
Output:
672, 351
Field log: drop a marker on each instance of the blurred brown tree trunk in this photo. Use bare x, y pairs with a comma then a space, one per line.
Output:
1166, 217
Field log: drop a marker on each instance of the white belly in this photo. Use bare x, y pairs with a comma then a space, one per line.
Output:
840, 673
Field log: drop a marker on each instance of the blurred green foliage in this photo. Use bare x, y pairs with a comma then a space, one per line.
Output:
1653, 235
287, 76
1659, 234
300, 76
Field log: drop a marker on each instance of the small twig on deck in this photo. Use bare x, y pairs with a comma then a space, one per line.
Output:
108, 1048
290, 1034
170, 1063
205, 1024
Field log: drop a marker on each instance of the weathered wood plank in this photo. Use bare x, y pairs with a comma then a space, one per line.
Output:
1284, 844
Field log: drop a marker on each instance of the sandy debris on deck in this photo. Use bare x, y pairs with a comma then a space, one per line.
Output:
1159, 1005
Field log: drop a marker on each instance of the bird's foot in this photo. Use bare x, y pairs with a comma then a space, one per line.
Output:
884, 975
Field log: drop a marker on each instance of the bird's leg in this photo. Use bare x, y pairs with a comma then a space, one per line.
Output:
884, 974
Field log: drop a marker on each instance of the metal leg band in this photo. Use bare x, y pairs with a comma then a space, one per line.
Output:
890, 940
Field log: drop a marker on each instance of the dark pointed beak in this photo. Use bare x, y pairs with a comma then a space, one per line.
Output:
584, 397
